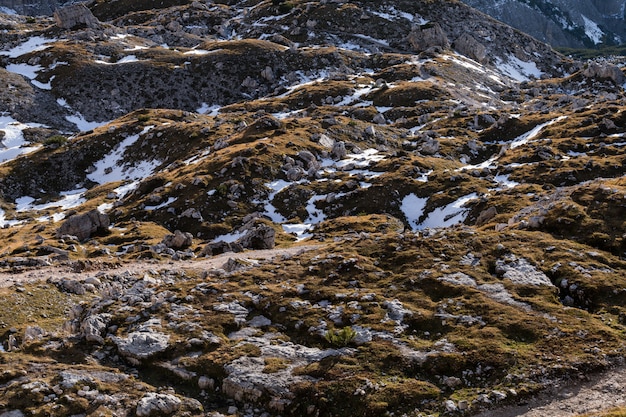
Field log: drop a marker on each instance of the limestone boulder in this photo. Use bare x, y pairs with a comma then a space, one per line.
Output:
467, 45
178, 240
155, 404
84, 226
74, 16
604, 71
427, 36
259, 237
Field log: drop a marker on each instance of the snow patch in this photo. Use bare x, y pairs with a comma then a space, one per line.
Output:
413, 208
69, 199
592, 30
36, 43
112, 167
13, 143
448, 215
517, 69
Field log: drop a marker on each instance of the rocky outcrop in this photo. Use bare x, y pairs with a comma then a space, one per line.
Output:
467, 45
563, 23
427, 36
178, 240
75, 16
259, 237
84, 226
604, 71
154, 404
142, 344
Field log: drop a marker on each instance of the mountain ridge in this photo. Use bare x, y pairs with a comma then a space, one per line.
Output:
580, 24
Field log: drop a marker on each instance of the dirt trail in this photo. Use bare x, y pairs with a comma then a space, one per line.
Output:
7, 279
602, 392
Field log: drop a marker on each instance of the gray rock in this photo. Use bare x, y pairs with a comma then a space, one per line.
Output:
339, 150
259, 237
205, 382
379, 119
430, 147
93, 327
521, 272
325, 141
75, 15
309, 160
144, 343
238, 264
467, 45
12, 413
427, 36
179, 240
84, 226
486, 215
604, 71
153, 404
219, 247
34, 333
72, 286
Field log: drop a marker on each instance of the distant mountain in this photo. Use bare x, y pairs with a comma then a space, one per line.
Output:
30, 7
562, 23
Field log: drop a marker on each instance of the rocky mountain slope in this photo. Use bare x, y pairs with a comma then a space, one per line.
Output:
459, 187
564, 23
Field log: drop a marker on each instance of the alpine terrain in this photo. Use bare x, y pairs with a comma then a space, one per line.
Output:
307, 208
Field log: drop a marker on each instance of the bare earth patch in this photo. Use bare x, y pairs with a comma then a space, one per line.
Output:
601, 393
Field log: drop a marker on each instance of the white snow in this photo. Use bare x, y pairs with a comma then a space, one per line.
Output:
517, 69
448, 215
78, 119
305, 80
200, 52
112, 167
126, 189
13, 144
592, 30
6, 10
169, 201
70, 199
413, 207
5, 223
299, 229
28, 71
211, 110
230, 237
36, 43
528, 136
503, 180
360, 160
127, 59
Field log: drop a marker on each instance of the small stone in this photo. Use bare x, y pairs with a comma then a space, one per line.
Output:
450, 406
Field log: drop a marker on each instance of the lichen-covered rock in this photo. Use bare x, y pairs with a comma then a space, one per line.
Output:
144, 343
155, 404
93, 327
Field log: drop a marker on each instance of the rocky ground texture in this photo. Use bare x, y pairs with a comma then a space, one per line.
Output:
304, 208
